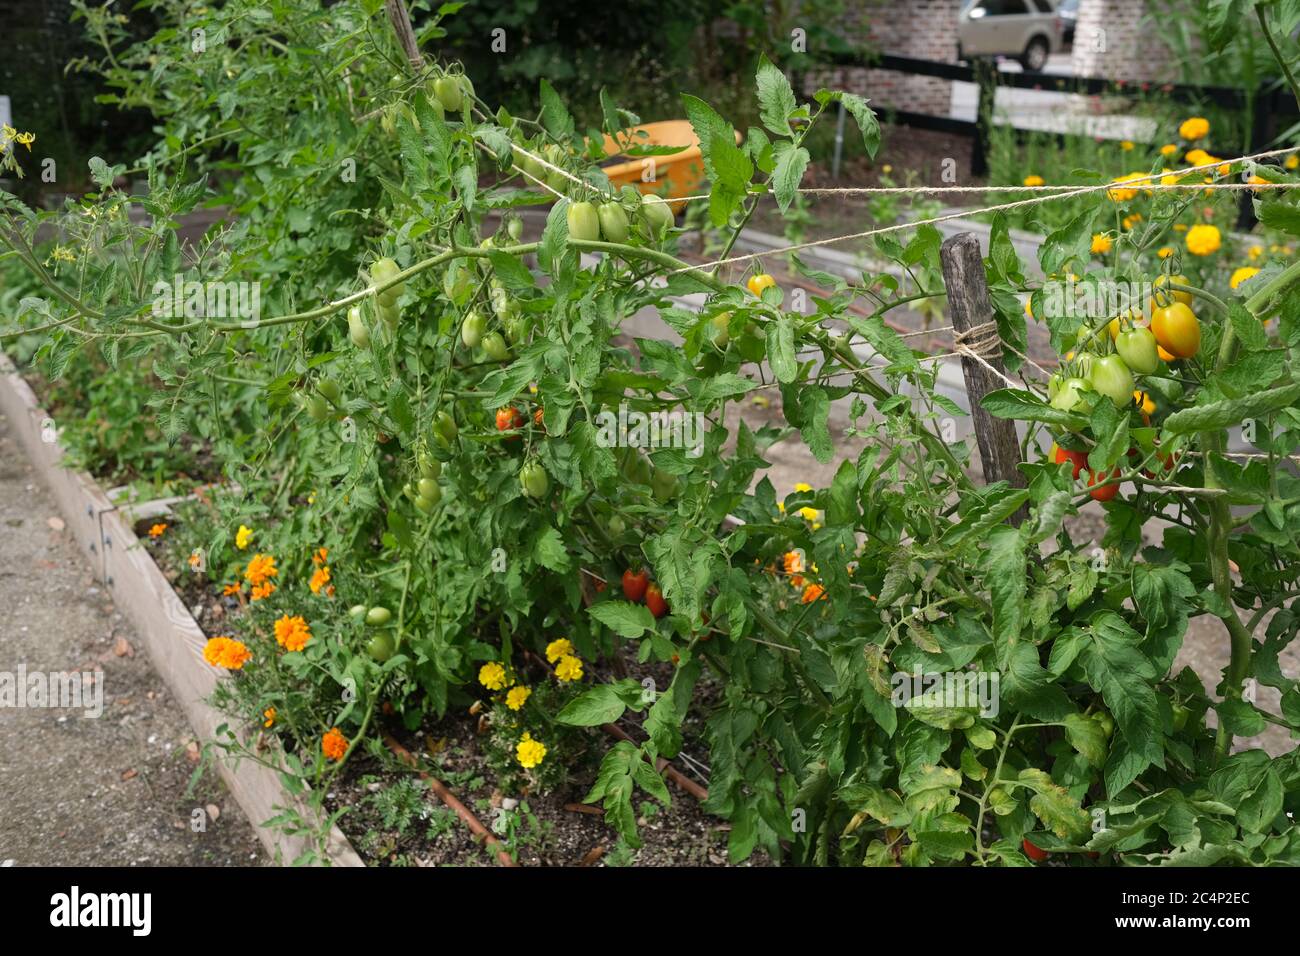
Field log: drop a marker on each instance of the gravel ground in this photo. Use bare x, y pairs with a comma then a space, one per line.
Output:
110, 791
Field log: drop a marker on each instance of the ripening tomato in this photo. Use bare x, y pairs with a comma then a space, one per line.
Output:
472, 329
584, 222
1137, 347
654, 600
1176, 330
510, 417
1166, 296
758, 283
1112, 378
533, 479
1105, 492
635, 583
1165, 356
1078, 458
357, 331
1033, 852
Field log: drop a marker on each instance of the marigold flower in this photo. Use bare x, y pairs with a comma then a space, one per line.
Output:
1168, 149
1101, 243
1203, 239
517, 697
260, 569
1198, 157
1254, 252
1033, 181
320, 577
492, 676
292, 633
269, 714
568, 669
235, 588
1125, 193
793, 562
243, 536
263, 590
530, 752
1292, 161
334, 745
226, 652
1164, 252
1194, 128
195, 559
1126, 145
557, 649
320, 556
812, 593
1241, 275
157, 530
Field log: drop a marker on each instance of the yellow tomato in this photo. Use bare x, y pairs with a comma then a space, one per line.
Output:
758, 283
1176, 330
1166, 296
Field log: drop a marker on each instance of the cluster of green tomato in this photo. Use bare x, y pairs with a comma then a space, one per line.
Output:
613, 221
381, 645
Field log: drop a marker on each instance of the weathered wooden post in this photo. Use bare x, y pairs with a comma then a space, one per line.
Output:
975, 327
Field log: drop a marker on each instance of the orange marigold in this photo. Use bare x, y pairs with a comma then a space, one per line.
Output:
793, 562
226, 652
812, 593
235, 588
292, 633
157, 530
260, 568
269, 714
320, 555
320, 577
264, 590
334, 745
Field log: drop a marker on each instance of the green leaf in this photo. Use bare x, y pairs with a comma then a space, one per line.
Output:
1247, 328
780, 348
1223, 414
816, 409
865, 117
555, 115
1086, 736
599, 705
791, 163
1018, 404
775, 97
623, 618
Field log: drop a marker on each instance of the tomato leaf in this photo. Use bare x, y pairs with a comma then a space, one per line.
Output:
599, 705
775, 97
791, 163
623, 618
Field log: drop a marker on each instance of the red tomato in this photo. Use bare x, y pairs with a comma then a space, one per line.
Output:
654, 600
1106, 492
1033, 852
1079, 459
510, 417
634, 584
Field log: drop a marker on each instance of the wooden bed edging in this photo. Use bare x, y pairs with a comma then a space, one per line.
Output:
161, 620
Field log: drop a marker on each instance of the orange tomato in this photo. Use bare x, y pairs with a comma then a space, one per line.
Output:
758, 283
1176, 330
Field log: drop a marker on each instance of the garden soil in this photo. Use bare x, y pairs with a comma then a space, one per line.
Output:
106, 791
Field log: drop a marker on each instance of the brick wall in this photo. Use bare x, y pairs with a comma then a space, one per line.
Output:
1117, 39
926, 29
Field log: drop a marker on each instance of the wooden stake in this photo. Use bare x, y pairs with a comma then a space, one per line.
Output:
405, 32
970, 307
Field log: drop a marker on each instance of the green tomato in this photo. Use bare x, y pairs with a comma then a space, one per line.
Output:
444, 428
584, 222
329, 389
1054, 385
636, 468
1106, 721
526, 159
1112, 378
613, 222
429, 488
616, 527
388, 314
468, 88
1137, 348
659, 215
435, 104
533, 479
358, 612
663, 485
1068, 395
357, 331
385, 270
381, 647
408, 489
720, 331
378, 616
518, 327
429, 467
471, 330
449, 93
515, 229
495, 347
425, 505
1181, 714
317, 408
554, 154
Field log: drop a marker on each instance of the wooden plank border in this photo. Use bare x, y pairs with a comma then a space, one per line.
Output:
160, 618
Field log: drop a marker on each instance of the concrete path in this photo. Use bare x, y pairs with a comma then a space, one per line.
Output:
77, 790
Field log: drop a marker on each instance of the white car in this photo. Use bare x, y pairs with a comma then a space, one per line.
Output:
1028, 30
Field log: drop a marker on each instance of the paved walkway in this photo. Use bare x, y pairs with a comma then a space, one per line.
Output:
106, 791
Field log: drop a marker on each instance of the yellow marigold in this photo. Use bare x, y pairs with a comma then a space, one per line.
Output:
292, 633
1180, 227
568, 669
235, 588
260, 569
1033, 181
1131, 221
492, 676
530, 752
1143, 401
812, 593
1126, 145
1168, 149
1241, 275
263, 590
1125, 193
517, 697
1101, 243
1194, 128
1164, 252
1292, 161
269, 715
334, 745
226, 652
1254, 252
557, 649
1203, 239
157, 530
320, 577
243, 536
793, 562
